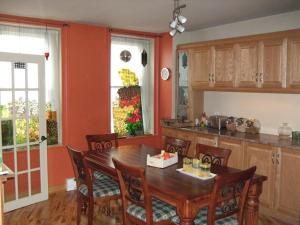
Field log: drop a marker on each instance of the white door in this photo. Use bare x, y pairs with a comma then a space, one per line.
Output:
23, 128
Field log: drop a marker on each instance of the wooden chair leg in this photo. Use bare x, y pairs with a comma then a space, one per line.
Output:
79, 208
90, 212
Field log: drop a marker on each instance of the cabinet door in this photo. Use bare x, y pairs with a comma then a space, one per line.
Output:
200, 66
293, 74
272, 63
207, 139
263, 157
247, 64
236, 158
224, 70
288, 199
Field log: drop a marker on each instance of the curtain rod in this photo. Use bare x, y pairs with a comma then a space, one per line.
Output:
135, 33
32, 21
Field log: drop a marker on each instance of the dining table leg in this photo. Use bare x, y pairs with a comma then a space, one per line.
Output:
252, 204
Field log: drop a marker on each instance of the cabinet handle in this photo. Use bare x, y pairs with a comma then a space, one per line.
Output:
277, 158
273, 156
213, 78
256, 77
261, 77
209, 75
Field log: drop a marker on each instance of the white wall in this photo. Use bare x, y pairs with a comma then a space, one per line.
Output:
270, 109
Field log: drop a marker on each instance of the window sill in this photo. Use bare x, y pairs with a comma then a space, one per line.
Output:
136, 137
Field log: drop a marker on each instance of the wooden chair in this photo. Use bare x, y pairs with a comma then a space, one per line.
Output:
177, 145
90, 190
139, 207
228, 198
213, 155
101, 143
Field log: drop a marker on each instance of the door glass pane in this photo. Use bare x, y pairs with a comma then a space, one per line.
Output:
20, 104
35, 182
22, 158
21, 134
23, 185
5, 104
32, 75
33, 116
34, 156
19, 72
5, 71
7, 132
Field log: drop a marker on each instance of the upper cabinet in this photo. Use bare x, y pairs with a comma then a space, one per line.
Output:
201, 63
223, 74
272, 63
293, 70
260, 63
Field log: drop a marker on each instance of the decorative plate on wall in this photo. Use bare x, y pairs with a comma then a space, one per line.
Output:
165, 73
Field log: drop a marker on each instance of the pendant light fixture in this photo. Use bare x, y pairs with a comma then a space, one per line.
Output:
178, 20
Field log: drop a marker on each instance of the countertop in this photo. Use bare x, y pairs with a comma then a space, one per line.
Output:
259, 138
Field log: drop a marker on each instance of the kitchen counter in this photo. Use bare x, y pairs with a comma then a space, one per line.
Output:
260, 138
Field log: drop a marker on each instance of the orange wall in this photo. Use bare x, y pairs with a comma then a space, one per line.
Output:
85, 93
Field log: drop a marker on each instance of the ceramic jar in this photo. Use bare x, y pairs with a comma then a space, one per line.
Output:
284, 130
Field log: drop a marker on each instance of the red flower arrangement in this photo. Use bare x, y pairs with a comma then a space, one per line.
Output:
134, 101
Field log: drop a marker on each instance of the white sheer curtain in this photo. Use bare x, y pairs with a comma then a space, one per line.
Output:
145, 74
36, 41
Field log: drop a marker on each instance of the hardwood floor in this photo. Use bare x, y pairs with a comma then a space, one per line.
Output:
60, 209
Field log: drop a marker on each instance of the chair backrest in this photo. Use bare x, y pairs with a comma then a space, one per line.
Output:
81, 171
229, 195
134, 188
177, 145
212, 155
102, 142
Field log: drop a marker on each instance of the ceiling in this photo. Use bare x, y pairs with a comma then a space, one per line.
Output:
147, 15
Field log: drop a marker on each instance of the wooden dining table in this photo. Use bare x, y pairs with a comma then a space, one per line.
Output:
186, 193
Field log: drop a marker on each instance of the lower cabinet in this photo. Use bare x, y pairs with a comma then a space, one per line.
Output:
236, 158
207, 139
287, 200
263, 157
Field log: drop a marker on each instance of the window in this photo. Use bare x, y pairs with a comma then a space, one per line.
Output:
37, 41
132, 86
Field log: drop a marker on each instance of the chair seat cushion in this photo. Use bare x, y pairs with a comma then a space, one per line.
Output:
161, 211
102, 188
99, 175
201, 218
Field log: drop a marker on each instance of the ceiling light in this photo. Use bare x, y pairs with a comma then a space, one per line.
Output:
173, 32
178, 20
182, 19
180, 28
174, 23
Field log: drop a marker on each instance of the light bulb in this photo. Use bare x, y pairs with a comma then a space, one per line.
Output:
173, 32
174, 23
180, 28
182, 19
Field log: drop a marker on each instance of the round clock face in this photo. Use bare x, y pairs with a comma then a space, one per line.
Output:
165, 73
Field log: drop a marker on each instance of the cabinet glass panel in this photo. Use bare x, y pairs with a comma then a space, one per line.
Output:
182, 85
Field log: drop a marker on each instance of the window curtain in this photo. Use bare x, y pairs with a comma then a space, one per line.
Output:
36, 41
145, 75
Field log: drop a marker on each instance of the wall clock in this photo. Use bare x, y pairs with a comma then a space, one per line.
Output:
165, 73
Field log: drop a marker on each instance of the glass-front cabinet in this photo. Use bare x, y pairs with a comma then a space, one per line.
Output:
182, 91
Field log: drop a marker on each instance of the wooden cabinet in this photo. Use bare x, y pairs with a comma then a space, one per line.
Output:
236, 158
293, 70
288, 194
223, 74
263, 157
200, 65
207, 139
247, 64
272, 63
